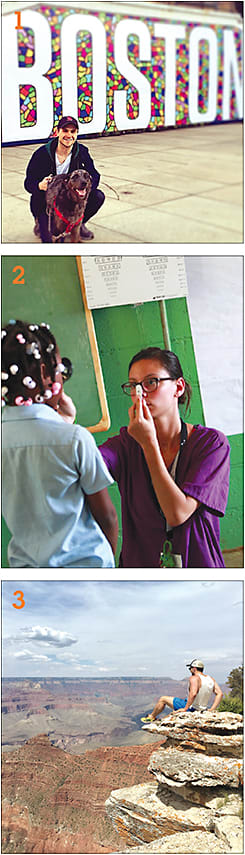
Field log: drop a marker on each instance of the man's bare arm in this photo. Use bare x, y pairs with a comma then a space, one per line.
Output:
194, 685
218, 696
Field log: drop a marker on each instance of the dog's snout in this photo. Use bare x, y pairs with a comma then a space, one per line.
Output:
84, 178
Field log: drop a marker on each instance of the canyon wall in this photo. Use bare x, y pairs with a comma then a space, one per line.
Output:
54, 802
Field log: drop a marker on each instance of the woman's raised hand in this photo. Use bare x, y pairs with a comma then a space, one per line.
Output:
141, 425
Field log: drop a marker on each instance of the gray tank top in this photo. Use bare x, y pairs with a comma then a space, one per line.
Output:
204, 694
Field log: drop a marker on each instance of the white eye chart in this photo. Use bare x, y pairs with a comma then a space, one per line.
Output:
119, 280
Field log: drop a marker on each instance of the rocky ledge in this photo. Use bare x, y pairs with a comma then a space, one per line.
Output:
195, 802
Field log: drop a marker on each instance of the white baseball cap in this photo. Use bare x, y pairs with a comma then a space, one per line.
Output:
196, 663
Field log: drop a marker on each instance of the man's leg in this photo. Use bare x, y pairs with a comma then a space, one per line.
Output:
163, 701
43, 228
41, 221
95, 201
38, 209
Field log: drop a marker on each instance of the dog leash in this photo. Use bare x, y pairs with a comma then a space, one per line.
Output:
55, 238
110, 188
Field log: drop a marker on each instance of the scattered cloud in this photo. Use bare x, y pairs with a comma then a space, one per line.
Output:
80, 667
31, 657
79, 663
47, 635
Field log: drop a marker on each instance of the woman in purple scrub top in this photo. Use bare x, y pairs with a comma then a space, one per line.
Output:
173, 477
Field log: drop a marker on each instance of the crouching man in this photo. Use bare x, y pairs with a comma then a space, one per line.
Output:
60, 155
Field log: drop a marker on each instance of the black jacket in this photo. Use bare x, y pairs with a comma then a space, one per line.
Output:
42, 163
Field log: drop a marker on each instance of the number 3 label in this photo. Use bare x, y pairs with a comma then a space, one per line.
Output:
20, 598
18, 280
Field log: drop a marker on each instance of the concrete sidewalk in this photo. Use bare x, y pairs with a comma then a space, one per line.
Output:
174, 186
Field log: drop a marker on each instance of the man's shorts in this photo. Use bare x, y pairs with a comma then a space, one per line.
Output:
179, 704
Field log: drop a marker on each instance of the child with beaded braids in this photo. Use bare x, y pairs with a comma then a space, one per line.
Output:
54, 480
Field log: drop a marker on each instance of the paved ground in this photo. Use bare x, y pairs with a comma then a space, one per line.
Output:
175, 186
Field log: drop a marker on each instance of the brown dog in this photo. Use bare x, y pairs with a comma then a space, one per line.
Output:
67, 197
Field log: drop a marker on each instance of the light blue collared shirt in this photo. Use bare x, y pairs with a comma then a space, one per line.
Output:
48, 467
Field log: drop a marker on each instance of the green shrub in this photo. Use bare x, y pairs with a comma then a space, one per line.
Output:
231, 704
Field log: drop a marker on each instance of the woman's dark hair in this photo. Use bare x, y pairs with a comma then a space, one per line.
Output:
170, 361
24, 347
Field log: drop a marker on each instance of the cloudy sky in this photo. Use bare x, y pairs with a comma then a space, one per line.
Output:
103, 629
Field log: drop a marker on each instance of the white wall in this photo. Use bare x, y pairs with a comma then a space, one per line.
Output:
215, 303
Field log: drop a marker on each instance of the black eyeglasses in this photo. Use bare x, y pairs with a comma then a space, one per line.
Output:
148, 385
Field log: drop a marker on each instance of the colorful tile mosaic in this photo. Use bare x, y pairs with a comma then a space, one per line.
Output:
154, 72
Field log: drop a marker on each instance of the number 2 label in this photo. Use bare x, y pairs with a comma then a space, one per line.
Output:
19, 279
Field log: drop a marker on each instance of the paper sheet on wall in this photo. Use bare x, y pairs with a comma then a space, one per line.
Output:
216, 317
118, 280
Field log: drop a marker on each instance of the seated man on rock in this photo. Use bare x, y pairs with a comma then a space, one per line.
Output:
200, 689
59, 156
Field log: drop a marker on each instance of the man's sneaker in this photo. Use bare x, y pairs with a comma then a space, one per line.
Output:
147, 719
85, 233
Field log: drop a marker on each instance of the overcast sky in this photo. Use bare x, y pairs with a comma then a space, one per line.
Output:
103, 629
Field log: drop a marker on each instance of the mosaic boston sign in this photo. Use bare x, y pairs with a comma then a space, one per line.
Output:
116, 73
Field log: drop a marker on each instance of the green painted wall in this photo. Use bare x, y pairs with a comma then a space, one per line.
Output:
51, 292
121, 332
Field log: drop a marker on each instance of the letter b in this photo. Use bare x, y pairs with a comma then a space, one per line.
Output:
14, 76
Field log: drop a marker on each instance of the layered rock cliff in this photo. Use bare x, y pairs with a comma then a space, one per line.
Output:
54, 802
194, 803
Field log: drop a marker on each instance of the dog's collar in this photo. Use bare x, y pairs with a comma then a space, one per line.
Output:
69, 225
